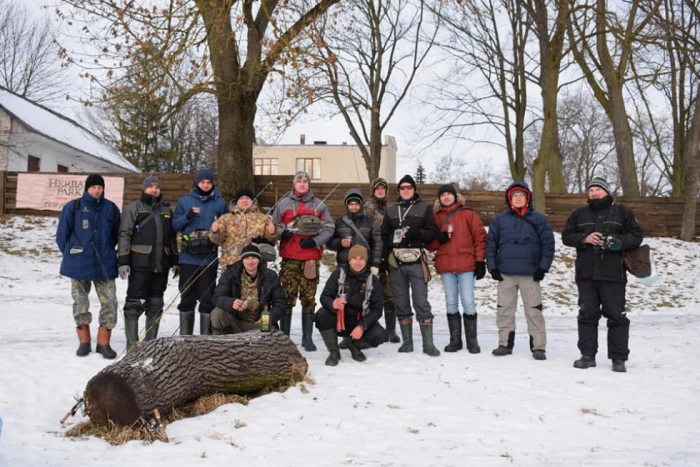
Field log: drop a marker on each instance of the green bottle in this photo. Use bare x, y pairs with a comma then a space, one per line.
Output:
265, 320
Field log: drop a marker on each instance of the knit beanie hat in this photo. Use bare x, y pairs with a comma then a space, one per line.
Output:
148, 181
243, 192
447, 189
601, 183
406, 179
204, 174
301, 175
358, 250
251, 250
94, 179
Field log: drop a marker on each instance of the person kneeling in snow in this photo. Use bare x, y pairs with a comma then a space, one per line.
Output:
352, 303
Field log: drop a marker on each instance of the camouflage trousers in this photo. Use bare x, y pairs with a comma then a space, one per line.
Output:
106, 292
385, 280
294, 283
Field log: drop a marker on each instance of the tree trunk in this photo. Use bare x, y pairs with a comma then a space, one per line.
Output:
692, 174
169, 372
624, 146
236, 137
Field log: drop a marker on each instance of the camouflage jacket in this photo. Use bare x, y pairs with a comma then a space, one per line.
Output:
375, 208
236, 229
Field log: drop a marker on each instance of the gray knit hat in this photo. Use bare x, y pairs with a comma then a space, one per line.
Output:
600, 182
148, 180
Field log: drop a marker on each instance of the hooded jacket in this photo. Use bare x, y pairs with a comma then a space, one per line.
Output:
355, 285
210, 206
369, 228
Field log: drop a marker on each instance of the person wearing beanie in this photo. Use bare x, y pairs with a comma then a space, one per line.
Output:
519, 252
87, 235
147, 251
194, 215
301, 252
407, 229
376, 206
244, 290
351, 306
601, 232
244, 224
460, 255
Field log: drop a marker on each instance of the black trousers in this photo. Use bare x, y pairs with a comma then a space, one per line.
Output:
197, 287
148, 287
374, 335
603, 298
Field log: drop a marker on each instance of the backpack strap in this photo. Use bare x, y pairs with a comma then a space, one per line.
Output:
444, 221
368, 290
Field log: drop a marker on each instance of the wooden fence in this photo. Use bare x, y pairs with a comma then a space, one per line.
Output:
660, 217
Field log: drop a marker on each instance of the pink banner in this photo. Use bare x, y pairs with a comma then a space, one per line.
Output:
50, 192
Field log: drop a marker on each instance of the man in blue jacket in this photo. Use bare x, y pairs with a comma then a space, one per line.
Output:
87, 234
519, 252
194, 215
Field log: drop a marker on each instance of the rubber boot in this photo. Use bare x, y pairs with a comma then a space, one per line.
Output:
390, 321
286, 321
152, 326
500, 351
407, 337
586, 361
354, 347
344, 343
154, 310
307, 329
186, 323
330, 338
131, 328
618, 366
103, 337
204, 324
470, 333
454, 322
85, 346
426, 331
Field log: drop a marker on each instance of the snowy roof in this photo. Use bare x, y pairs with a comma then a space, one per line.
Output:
59, 128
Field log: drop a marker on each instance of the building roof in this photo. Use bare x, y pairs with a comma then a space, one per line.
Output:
59, 128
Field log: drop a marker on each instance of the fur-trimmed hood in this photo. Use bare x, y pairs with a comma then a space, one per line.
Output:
459, 200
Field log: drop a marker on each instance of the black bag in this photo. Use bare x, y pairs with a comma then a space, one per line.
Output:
638, 261
198, 242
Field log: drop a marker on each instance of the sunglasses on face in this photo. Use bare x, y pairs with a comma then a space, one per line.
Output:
405, 188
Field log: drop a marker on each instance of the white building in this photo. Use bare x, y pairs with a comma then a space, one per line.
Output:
36, 139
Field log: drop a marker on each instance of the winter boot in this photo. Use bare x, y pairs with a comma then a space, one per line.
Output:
354, 347
131, 328
584, 362
426, 331
454, 322
330, 338
154, 310
539, 354
307, 329
505, 350
286, 321
619, 366
390, 321
103, 336
344, 343
470, 333
204, 324
152, 326
84, 338
406, 336
186, 323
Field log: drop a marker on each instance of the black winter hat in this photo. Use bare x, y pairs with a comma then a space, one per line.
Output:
447, 189
243, 192
601, 183
204, 174
94, 179
251, 250
406, 179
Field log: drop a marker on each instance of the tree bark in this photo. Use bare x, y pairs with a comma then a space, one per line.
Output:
235, 150
692, 175
169, 372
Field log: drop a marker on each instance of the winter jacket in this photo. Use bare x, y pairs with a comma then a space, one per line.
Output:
468, 243
376, 208
211, 206
370, 231
87, 237
355, 285
270, 290
235, 228
414, 214
607, 218
514, 246
149, 246
293, 206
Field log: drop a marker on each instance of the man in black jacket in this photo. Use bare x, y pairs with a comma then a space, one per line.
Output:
407, 229
601, 232
147, 250
243, 291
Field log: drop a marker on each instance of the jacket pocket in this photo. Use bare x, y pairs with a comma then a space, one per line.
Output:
140, 256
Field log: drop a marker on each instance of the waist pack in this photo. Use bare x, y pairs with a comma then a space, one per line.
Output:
638, 261
198, 242
407, 255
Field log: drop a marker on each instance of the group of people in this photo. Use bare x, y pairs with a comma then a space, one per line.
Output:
382, 265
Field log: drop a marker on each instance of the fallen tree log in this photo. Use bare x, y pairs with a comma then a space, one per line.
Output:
169, 372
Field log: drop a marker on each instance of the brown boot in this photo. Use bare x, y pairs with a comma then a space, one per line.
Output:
84, 338
103, 337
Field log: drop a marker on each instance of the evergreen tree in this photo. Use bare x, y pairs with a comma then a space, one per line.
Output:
421, 175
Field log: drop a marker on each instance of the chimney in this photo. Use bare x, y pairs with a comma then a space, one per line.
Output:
302, 139
345, 143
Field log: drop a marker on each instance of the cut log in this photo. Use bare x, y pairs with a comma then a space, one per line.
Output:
169, 372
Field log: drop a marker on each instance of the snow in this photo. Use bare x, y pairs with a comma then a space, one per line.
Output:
394, 409
61, 129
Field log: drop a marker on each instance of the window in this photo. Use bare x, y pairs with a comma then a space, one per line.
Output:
33, 164
310, 166
62, 168
265, 166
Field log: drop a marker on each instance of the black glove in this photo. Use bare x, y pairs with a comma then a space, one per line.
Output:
308, 243
480, 270
539, 275
496, 275
190, 214
285, 235
442, 237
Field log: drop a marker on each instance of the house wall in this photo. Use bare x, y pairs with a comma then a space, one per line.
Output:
5, 125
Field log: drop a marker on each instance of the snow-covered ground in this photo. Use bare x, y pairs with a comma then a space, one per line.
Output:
394, 409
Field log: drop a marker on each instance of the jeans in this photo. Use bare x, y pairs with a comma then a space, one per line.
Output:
462, 283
